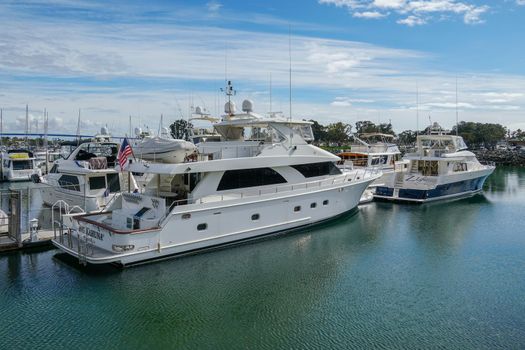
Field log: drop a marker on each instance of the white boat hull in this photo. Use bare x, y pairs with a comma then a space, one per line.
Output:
227, 222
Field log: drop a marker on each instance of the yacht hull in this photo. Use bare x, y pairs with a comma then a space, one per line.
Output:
446, 190
227, 222
51, 195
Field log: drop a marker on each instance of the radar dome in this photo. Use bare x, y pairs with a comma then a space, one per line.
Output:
104, 130
247, 106
138, 131
198, 110
229, 107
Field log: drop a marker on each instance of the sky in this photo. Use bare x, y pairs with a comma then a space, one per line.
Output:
398, 61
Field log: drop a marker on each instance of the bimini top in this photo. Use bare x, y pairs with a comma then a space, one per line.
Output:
233, 125
444, 143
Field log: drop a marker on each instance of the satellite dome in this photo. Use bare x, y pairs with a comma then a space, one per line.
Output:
229, 107
138, 131
198, 110
247, 106
104, 130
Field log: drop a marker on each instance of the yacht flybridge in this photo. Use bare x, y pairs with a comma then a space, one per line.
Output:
263, 177
441, 168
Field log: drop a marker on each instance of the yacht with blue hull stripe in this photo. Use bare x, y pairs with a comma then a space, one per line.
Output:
441, 168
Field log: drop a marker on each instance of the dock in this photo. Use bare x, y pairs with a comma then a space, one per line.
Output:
43, 238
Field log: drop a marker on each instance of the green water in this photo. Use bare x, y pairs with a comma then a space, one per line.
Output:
444, 275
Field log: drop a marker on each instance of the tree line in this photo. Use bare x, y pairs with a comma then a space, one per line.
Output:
475, 134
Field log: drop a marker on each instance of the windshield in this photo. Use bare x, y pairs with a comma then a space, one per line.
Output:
22, 164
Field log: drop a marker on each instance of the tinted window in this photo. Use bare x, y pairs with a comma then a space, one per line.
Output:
113, 183
22, 164
202, 227
233, 179
317, 169
97, 182
69, 182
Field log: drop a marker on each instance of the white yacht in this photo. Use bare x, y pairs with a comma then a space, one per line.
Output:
162, 148
371, 151
441, 168
261, 179
87, 178
19, 165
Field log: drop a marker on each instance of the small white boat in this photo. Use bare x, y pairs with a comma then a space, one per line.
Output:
163, 148
87, 178
441, 168
19, 165
371, 151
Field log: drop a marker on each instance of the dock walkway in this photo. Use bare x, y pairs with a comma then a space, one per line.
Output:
9, 244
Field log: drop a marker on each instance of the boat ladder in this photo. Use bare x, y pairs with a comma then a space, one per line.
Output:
64, 234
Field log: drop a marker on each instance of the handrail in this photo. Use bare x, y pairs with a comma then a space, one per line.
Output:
356, 175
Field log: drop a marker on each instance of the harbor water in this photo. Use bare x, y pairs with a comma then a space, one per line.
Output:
441, 275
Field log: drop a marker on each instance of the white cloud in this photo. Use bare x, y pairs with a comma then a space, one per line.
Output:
520, 2
413, 10
369, 14
213, 6
411, 21
114, 70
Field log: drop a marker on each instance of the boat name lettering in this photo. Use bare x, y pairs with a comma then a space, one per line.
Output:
95, 234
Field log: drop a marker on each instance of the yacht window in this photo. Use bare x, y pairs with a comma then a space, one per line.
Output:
186, 216
22, 164
317, 169
297, 208
460, 166
54, 169
97, 182
428, 167
313, 205
202, 227
69, 182
233, 179
255, 217
113, 183
325, 202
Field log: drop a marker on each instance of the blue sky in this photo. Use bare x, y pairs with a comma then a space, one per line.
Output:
351, 60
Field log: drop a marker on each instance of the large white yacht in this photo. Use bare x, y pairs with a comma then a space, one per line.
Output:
19, 165
261, 179
441, 168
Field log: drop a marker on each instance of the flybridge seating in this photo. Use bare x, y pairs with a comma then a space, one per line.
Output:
375, 143
95, 156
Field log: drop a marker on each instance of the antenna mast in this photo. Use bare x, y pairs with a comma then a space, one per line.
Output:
1, 126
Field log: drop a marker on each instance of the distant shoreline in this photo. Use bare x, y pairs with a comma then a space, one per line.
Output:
502, 157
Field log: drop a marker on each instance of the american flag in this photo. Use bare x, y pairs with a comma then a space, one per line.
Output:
123, 153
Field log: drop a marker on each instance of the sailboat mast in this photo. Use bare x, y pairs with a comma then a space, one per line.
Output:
290, 68
78, 128
457, 120
27, 124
